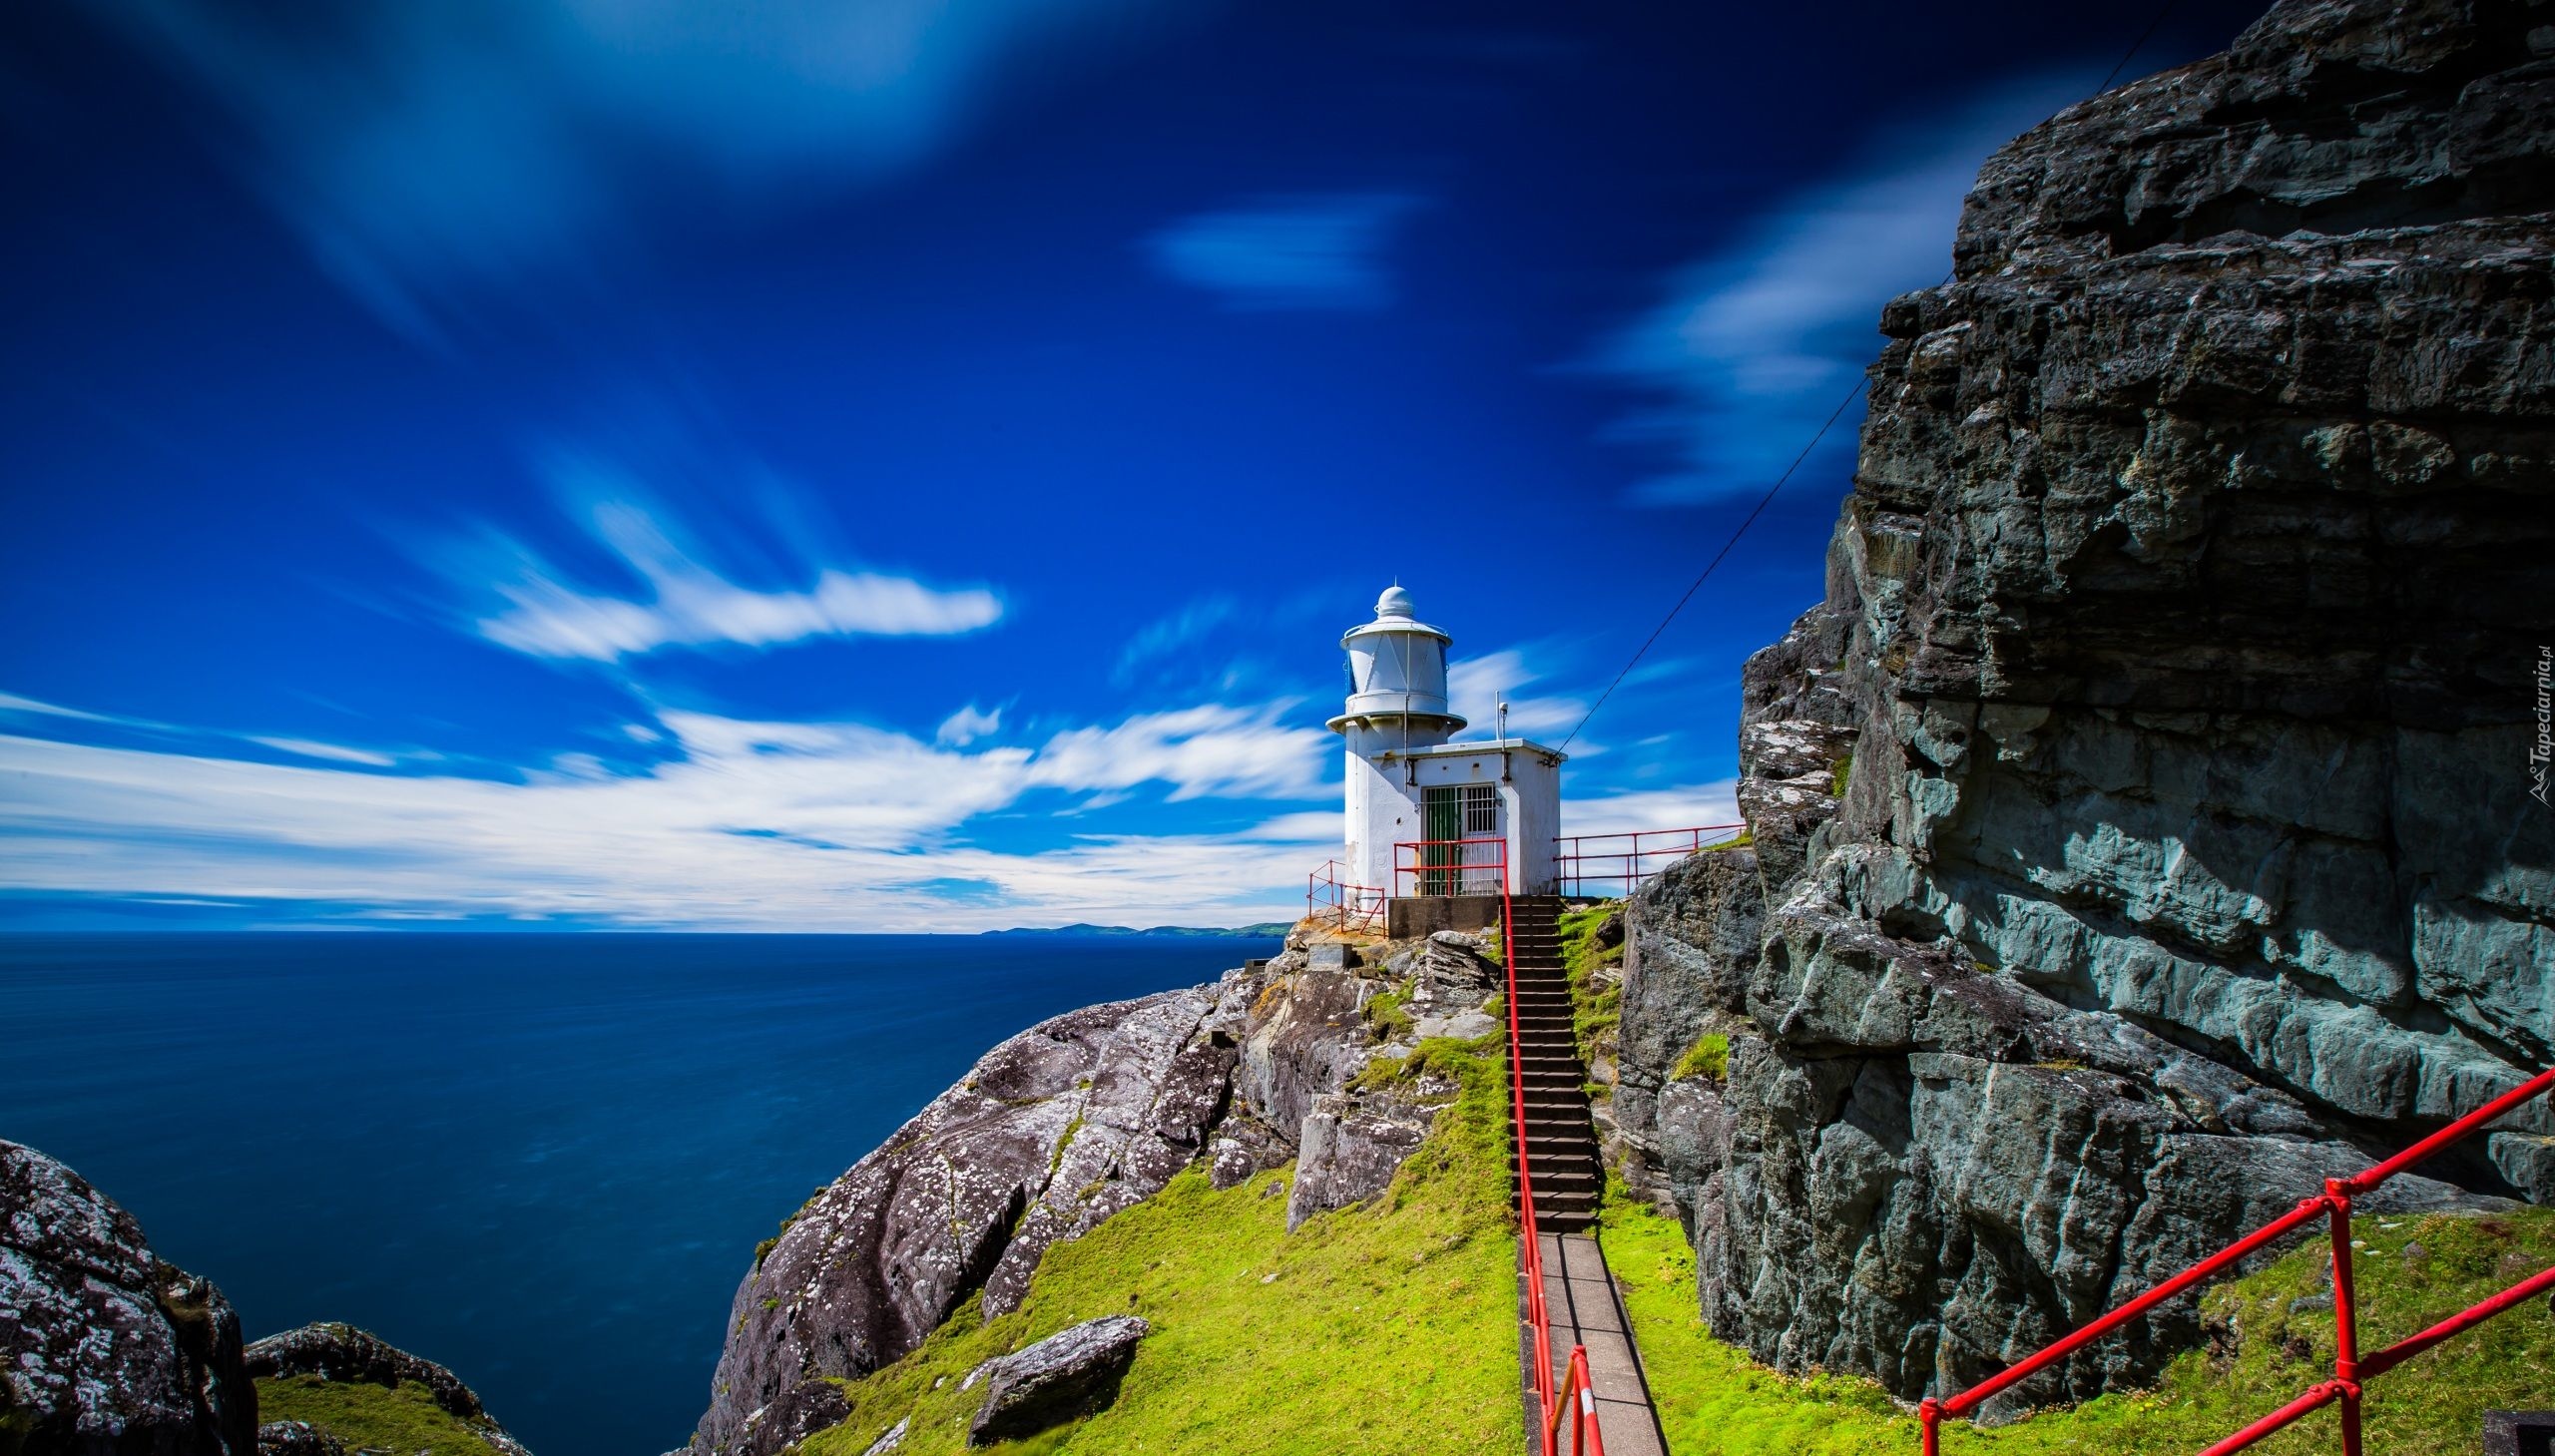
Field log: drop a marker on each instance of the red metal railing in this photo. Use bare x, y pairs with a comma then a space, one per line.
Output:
1437, 868
1578, 1405
1584, 862
1336, 902
1575, 1400
2350, 1370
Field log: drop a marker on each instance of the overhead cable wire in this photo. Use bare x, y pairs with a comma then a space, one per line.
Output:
1825, 427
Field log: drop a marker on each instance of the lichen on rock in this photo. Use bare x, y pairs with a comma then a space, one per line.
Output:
103, 1346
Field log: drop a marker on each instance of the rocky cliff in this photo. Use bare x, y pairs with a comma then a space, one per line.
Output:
105, 1349
108, 1350
2143, 826
1069, 1123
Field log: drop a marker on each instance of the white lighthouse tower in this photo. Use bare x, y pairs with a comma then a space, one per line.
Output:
1466, 810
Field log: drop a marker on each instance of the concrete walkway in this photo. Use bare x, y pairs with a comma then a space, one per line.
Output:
1579, 1296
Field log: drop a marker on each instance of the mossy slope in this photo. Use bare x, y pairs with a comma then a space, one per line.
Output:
403, 1420
1714, 1402
1596, 983
1389, 1327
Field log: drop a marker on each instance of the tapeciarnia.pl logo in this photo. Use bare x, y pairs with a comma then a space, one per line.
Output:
2544, 748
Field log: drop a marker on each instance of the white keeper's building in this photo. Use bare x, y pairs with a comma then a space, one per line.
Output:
1409, 787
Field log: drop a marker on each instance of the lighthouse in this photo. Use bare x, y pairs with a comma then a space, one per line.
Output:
1430, 818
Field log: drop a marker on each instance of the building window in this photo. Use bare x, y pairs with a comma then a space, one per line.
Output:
1461, 811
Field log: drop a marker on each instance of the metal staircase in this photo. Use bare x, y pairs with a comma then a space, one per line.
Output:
1559, 1145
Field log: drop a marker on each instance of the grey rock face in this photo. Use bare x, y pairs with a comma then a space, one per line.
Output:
1069, 1373
1692, 936
1307, 1037
296, 1438
342, 1352
103, 1347
2141, 826
1242, 1146
1353, 1142
814, 1404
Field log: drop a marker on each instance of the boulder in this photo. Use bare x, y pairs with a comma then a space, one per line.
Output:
1069, 1373
335, 1351
341, 1352
105, 1349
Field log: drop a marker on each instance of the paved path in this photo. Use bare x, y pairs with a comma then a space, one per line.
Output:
1580, 1296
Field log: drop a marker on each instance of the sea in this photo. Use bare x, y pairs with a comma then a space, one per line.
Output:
543, 1159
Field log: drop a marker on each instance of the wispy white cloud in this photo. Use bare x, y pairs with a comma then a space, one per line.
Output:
1321, 251
1475, 685
426, 149
741, 824
219, 739
12, 703
313, 749
1684, 807
1165, 635
966, 726
1751, 346
1212, 749
683, 595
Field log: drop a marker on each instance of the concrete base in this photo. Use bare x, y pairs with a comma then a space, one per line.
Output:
2519, 1432
1579, 1297
1411, 916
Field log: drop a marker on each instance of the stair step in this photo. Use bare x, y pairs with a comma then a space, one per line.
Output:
1576, 1165
1565, 1181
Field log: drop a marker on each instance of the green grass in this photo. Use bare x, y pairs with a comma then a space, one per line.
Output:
1838, 773
1715, 1403
1707, 1057
1388, 1327
1390, 1015
403, 1421
1595, 1009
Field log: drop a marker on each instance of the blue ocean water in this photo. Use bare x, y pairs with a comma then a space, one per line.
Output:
543, 1159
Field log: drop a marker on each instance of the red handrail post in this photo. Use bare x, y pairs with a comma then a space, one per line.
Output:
2338, 1198
1929, 1416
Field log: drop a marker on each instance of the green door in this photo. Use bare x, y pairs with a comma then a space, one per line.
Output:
1442, 820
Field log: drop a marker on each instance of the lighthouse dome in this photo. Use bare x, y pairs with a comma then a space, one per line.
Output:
1397, 673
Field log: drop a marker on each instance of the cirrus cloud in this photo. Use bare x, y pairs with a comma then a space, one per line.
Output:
741, 824
1316, 252
429, 149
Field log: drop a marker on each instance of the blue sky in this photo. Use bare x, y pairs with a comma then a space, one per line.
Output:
889, 465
